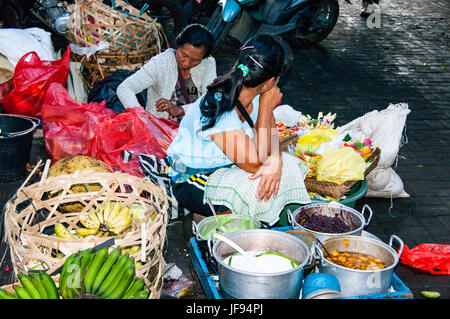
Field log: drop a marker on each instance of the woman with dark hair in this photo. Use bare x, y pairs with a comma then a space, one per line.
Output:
233, 124
174, 78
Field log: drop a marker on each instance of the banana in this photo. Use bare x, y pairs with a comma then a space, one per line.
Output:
99, 213
63, 275
88, 221
137, 286
143, 294
28, 285
21, 292
92, 214
115, 281
4, 294
62, 232
86, 258
112, 274
123, 214
131, 250
103, 272
49, 285
122, 223
86, 231
123, 285
36, 280
94, 267
71, 281
120, 230
106, 211
115, 210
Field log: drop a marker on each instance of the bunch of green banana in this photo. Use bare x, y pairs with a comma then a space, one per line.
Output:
34, 286
105, 275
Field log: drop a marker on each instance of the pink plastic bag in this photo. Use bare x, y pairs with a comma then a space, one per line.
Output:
135, 131
31, 80
69, 125
434, 258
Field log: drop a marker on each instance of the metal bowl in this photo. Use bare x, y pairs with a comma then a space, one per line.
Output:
332, 209
230, 222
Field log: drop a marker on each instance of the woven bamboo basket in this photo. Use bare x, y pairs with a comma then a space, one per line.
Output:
100, 65
124, 27
329, 188
133, 37
30, 216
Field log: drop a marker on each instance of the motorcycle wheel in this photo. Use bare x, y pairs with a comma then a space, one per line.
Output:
318, 22
169, 14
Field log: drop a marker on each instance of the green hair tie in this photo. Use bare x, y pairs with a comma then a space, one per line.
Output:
244, 69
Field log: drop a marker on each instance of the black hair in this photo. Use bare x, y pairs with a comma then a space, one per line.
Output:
198, 36
265, 56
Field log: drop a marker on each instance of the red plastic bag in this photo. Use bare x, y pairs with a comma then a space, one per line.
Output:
32, 77
135, 131
434, 258
69, 125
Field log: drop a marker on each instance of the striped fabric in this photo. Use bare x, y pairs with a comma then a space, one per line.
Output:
232, 188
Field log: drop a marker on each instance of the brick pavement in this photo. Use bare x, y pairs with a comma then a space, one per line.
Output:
357, 70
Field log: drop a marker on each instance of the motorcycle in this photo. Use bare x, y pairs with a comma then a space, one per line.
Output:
308, 20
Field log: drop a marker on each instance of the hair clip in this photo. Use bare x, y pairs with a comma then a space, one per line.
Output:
218, 96
244, 69
257, 63
249, 47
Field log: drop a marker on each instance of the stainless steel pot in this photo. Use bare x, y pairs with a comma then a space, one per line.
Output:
235, 283
230, 222
355, 282
331, 209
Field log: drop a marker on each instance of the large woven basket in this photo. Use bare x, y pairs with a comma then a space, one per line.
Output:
31, 214
329, 188
102, 64
123, 26
133, 37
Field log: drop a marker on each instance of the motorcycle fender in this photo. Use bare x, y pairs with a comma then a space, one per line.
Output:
230, 10
296, 3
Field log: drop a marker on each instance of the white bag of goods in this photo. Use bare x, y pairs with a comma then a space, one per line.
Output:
15, 43
385, 129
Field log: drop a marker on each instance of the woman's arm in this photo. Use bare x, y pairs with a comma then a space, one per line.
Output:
241, 149
136, 83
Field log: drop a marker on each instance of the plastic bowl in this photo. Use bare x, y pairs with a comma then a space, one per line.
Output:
320, 286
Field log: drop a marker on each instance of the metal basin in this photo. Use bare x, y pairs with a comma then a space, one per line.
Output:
356, 282
350, 215
235, 283
229, 222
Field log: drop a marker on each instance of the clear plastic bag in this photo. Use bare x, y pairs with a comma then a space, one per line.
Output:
340, 166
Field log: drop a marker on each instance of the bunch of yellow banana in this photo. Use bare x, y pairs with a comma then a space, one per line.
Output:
110, 219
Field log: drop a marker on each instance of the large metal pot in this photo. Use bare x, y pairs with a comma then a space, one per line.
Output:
229, 222
331, 209
235, 283
356, 282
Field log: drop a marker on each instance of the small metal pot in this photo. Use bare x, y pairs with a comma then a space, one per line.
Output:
202, 230
356, 282
239, 284
332, 208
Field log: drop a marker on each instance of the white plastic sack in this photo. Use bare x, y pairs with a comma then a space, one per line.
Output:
15, 43
286, 114
385, 129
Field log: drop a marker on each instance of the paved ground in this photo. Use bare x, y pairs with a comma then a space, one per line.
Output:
358, 69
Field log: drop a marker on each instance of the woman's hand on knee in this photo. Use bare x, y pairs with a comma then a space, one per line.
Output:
270, 173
